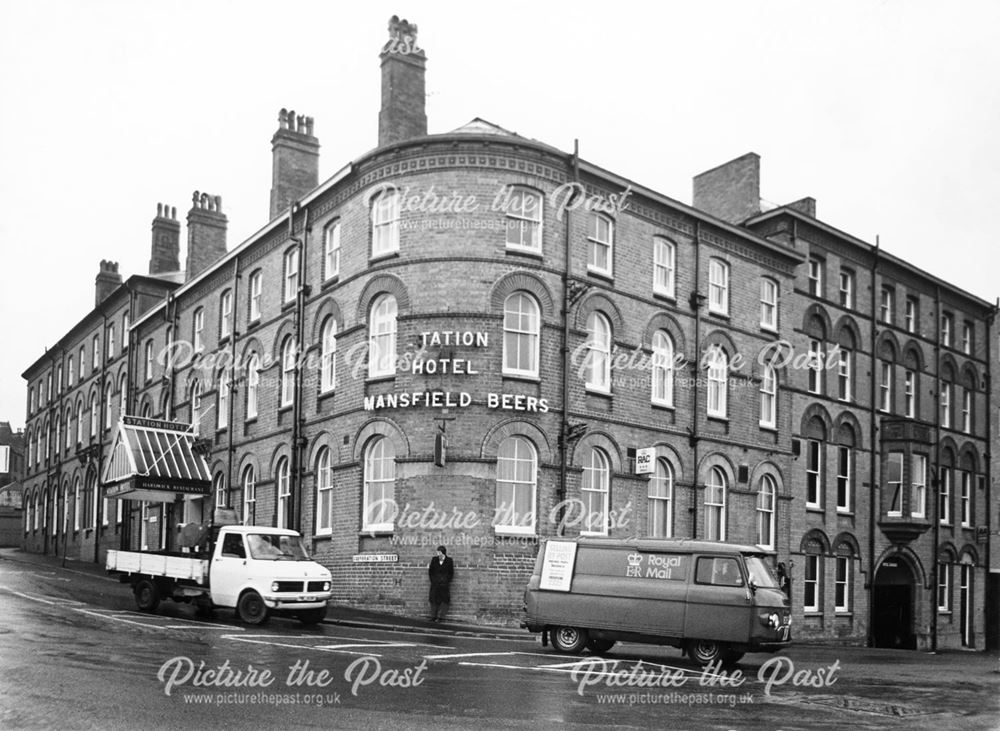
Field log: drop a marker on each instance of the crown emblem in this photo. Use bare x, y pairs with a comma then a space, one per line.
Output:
635, 559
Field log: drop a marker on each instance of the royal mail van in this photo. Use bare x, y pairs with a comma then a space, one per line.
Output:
713, 600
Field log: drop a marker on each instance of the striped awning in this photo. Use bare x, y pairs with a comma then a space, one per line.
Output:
154, 460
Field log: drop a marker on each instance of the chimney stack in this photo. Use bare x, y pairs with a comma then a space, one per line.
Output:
166, 251
206, 233
295, 156
731, 191
107, 281
404, 64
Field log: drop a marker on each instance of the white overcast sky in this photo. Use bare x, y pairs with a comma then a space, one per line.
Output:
888, 113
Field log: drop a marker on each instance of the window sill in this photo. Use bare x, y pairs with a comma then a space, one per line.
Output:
669, 297
661, 405
601, 274
717, 313
375, 532
815, 508
530, 253
845, 513
287, 305
812, 613
380, 378
768, 427
768, 329
513, 533
331, 282
375, 258
718, 418
591, 391
253, 324
520, 377
845, 613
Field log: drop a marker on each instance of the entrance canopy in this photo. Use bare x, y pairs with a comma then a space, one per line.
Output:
155, 461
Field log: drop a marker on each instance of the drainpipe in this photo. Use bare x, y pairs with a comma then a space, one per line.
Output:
232, 384
696, 302
294, 509
988, 631
875, 492
564, 431
102, 405
937, 467
127, 510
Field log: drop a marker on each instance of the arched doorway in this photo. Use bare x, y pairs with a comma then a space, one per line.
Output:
893, 604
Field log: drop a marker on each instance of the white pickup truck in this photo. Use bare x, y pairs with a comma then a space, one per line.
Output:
254, 570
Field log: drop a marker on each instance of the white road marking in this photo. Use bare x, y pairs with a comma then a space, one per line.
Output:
28, 596
298, 647
485, 654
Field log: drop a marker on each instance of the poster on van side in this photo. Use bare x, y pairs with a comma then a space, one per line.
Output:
557, 565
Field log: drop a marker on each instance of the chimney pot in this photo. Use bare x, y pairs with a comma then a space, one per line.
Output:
165, 254
403, 115
206, 233
295, 160
107, 281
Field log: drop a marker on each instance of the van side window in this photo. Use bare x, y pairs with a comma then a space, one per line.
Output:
232, 546
718, 572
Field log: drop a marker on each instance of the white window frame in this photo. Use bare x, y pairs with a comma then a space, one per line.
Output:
599, 345
253, 385
847, 289
887, 305
70, 376
385, 214
845, 466
523, 209
380, 453
225, 313
967, 338
331, 250
521, 334
909, 393
769, 304
287, 395
324, 492
255, 289
110, 341
222, 400
911, 315
126, 322
767, 499
83, 367
844, 374
842, 584
249, 485
382, 320
716, 488
945, 415
198, 327
966, 410
768, 397
96, 361
944, 587
945, 479
885, 386
218, 490
601, 239
717, 382
664, 266
815, 372
815, 275
108, 405
283, 485
95, 416
894, 487
516, 459
662, 373
595, 491
149, 361
718, 287
811, 583
660, 501
328, 356
947, 325
814, 473
965, 498
196, 405
290, 280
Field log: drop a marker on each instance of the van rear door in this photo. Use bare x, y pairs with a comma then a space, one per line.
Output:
719, 601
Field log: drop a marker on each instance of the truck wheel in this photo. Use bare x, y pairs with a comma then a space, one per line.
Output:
599, 647
147, 596
704, 651
251, 608
568, 640
312, 616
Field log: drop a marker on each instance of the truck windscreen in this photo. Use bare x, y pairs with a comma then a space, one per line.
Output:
268, 547
760, 573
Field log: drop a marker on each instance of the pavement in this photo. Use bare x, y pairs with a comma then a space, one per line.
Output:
337, 614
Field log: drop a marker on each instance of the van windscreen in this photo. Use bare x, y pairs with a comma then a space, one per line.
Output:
761, 573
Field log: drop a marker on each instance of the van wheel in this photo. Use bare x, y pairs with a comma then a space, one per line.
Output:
599, 647
147, 596
568, 640
251, 608
704, 651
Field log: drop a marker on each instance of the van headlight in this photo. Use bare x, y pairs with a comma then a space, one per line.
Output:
772, 620
326, 586
274, 586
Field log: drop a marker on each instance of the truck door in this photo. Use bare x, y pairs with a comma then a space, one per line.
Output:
229, 569
719, 601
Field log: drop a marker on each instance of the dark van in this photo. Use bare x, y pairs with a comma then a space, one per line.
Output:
716, 601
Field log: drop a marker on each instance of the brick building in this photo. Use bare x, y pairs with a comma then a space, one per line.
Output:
11, 475
465, 338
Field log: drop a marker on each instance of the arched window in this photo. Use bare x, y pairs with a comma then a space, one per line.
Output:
515, 489
718, 377
284, 485
66, 507
222, 400
122, 395
95, 416
288, 372
324, 494
715, 505
379, 510
58, 442
521, 329
598, 352
382, 337
253, 383
90, 501
595, 490
385, 223
328, 357
768, 397
663, 369
219, 490
660, 501
249, 482
766, 497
